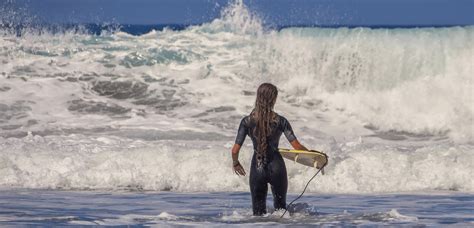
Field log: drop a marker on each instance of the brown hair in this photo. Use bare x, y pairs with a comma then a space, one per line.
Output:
263, 115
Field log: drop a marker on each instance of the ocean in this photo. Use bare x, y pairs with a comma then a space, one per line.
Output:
109, 126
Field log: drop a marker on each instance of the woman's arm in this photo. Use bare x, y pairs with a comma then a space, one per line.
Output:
290, 135
238, 169
297, 145
235, 152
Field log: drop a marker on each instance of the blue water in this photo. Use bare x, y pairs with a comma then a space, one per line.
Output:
140, 29
118, 124
58, 208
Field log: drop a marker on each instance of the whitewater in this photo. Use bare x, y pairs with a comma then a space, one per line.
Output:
392, 108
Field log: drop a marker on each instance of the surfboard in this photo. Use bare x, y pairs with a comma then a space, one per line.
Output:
311, 158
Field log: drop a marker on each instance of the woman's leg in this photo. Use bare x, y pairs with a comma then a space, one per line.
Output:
258, 189
278, 182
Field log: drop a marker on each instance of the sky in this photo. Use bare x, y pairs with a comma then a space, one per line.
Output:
273, 12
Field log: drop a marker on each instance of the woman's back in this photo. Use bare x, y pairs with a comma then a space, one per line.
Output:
278, 125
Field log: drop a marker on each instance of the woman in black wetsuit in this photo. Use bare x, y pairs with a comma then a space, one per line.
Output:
265, 127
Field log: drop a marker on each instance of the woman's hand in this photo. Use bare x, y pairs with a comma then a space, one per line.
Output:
236, 166
238, 169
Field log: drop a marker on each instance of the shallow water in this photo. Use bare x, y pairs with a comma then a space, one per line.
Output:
55, 207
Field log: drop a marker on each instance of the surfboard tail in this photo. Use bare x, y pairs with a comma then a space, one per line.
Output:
312, 158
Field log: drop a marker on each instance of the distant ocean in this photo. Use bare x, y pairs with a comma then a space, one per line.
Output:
133, 124
141, 29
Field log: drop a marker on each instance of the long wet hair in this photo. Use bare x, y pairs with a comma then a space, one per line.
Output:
263, 115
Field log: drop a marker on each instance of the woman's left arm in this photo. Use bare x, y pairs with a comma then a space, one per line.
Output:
239, 141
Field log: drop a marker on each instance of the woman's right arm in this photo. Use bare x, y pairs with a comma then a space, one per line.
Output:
290, 135
297, 145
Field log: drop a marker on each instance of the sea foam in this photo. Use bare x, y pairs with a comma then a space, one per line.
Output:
393, 108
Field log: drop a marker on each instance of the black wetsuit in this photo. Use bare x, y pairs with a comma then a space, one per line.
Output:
274, 170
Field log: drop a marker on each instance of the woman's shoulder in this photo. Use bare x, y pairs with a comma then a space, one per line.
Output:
281, 119
245, 120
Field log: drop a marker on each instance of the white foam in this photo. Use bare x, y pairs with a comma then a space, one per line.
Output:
167, 216
235, 216
82, 163
393, 108
421, 83
396, 215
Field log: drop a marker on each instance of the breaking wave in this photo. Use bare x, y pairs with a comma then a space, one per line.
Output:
392, 107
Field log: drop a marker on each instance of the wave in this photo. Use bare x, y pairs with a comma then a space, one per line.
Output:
82, 163
417, 81
406, 93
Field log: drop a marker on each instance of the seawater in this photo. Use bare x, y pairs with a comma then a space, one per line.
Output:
223, 209
393, 108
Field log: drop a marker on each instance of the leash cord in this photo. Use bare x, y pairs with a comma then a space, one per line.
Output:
303, 191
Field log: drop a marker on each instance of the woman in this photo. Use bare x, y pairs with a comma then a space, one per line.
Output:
265, 127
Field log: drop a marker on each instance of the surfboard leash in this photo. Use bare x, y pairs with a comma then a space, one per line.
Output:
307, 184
